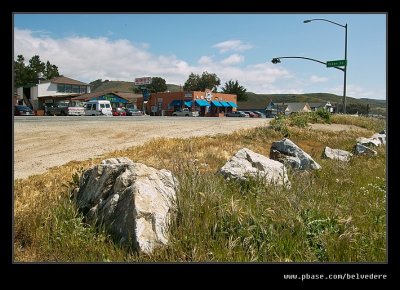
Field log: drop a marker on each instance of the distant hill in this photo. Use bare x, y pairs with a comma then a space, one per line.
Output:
123, 87
260, 101
120, 86
174, 88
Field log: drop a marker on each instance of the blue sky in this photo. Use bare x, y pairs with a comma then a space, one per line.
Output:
240, 47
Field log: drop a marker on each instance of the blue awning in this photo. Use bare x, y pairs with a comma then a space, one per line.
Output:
202, 103
216, 103
176, 103
225, 104
232, 104
188, 103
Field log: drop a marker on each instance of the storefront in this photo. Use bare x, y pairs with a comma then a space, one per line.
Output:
207, 103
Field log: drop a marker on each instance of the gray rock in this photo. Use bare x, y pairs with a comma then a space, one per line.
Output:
247, 163
132, 201
380, 137
369, 142
337, 154
383, 132
292, 154
361, 149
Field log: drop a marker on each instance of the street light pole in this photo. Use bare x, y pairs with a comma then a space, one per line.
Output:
345, 56
345, 70
276, 60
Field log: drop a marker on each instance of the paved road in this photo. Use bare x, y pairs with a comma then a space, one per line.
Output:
47, 141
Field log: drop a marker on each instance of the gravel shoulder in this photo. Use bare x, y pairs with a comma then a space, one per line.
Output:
44, 142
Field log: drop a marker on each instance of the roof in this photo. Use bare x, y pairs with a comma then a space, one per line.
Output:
225, 104
232, 104
216, 103
64, 80
317, 105
202, 103
297, 107
59, 96
127, 96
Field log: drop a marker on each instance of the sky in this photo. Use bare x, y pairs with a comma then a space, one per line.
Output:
87, 47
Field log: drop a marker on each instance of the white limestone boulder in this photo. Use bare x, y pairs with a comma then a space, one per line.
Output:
246, 163
132, 201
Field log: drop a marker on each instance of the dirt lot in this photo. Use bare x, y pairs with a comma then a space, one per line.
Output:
44, 142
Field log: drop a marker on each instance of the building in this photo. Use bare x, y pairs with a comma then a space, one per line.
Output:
273, 109
117, 99
48, 92
297, 108
327, 106
207, 103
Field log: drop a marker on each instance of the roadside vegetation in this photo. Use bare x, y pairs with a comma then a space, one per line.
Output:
336, 214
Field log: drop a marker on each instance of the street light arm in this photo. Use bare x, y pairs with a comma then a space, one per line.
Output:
309, 20
302, 57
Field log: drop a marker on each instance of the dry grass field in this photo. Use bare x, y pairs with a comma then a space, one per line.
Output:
336, 214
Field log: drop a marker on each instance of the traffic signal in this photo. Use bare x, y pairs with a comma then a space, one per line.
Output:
275, 60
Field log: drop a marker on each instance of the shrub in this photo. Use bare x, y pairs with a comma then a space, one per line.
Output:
279, 124
325, 115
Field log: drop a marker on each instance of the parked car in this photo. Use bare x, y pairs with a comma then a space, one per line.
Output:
236, 114
65, 109
186, 113
133, 112
245, 114
118, 112
23, 111
98, 107
251, 114
260, 115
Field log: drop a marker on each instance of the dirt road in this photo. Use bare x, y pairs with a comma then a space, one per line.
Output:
44, 142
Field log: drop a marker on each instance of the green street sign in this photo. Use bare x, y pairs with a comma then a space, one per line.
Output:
334, 63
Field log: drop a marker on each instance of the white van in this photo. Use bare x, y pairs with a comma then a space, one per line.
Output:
98, 107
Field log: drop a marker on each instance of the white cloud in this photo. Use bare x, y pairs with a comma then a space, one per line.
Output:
233, 59
317, 79
87, 59
234, 45
355, 91
205, 60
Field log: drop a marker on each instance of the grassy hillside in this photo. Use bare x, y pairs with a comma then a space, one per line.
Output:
174, 88
260, 101
120, 86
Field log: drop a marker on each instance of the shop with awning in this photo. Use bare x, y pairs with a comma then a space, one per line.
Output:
208, 104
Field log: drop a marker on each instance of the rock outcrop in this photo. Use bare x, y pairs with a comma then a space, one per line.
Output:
132, 201
286, 151
361, 149
246, 163
337, 154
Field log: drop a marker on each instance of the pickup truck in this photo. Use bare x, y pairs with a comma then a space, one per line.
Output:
185, 113
65, 110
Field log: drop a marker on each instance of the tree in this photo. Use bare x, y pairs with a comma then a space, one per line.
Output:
232, 87
157, 85
196, 82
209, 81
37, 65
192, 83
51, 71
22, 73
27, 75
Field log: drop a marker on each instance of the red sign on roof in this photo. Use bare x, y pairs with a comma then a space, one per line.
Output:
142, 81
